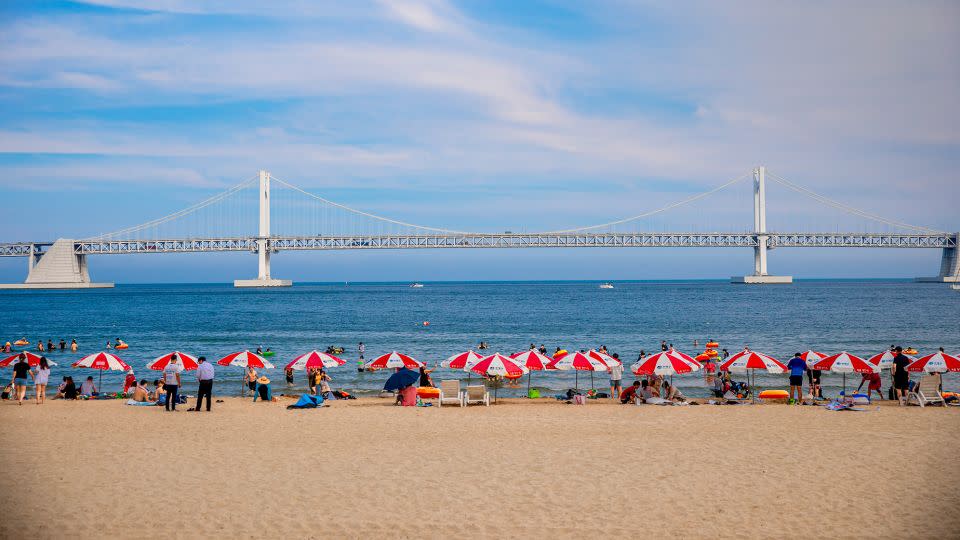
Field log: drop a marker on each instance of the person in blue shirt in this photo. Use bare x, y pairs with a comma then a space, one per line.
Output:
797, 367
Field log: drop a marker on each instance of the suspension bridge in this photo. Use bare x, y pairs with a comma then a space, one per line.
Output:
241, 219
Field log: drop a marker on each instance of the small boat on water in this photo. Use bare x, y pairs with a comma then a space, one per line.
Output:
416, 285
606, 285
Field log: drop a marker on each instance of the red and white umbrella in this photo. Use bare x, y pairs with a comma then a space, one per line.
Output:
187, 362
747, 359
393, 360
578, 362
498, 365
315, 359
845, 362
605, 358
663, 363
245, 359
882, 360
532, 360
102, 361
461, 361
32, 359
939, 362
811, 357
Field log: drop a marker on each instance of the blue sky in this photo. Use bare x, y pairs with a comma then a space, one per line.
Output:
481, 115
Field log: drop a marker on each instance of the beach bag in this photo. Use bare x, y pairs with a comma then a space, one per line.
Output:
533, 393
579, 399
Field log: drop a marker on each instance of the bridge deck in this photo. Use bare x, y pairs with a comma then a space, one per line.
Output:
191, 245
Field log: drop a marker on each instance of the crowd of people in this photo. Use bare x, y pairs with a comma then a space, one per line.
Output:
50, 346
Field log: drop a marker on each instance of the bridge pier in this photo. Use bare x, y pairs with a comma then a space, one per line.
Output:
263, 243
760, 276
60, 267
949, 265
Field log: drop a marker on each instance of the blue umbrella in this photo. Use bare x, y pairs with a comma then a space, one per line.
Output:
401, 379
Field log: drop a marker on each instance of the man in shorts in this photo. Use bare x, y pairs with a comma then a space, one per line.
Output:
797, 367
901, 379
616, 376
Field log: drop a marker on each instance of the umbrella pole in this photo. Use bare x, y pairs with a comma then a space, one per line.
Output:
576, 379
529, 374
591, 381
100, 385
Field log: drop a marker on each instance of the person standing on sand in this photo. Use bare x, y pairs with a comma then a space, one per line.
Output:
40, 378
20, 371
616, 378
901, 379
250, 378
205, 375
797, 368
171, 383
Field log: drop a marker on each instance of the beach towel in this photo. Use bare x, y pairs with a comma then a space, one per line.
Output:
307, 401
141, 403
840, 406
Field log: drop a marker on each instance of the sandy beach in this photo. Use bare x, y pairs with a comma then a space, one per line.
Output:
517, 469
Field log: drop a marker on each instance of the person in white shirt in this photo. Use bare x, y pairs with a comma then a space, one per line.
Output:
87, 388
616, 377
40, 378
205, 380
171, 382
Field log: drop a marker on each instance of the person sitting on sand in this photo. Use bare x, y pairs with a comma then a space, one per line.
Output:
629, 393
67, 389
7, 392
88, 388
647, 391
672, 393
141, 393
425, 379
158, 390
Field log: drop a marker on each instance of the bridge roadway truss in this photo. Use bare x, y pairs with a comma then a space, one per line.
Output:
281, 243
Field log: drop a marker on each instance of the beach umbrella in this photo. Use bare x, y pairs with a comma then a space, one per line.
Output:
393, 360
315, 359
939, 362
401, 379
498, 365
533, 360
883, 360
244, 359
32, 359
747, 361
102, 361
663, 363
462, 360
186, 361
578, 362
844, 363
811, 357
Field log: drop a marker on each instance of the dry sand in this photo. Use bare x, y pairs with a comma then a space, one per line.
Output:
366, 469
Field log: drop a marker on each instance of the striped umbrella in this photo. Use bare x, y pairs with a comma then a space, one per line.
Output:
845, 362
939, 362
187, 362
883, 360
533, 361
32, 359
578, 362
101, 361
498, 365
608, 360
315, 359
811, 357
663, 363
393, 360
461, 361
245, 359
747, 361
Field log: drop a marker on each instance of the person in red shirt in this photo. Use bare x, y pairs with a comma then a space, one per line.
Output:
130, 381
629, 392
873, 380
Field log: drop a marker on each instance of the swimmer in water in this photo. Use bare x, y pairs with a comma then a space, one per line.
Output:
259, 351
73, 345
120, 342
109, 345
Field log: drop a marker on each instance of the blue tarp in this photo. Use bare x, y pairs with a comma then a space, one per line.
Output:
307, 401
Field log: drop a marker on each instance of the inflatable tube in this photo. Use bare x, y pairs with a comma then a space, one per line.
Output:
427, 392
910, 351
702, 357
712, 344
774, 394
122, 347
269, 353
560, 353
21, 343
712, 353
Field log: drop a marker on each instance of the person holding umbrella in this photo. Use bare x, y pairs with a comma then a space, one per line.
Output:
171, 383
205, 375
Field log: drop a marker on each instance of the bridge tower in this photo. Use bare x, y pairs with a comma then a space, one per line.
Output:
949, 265
760, 275
263, 243
59, 267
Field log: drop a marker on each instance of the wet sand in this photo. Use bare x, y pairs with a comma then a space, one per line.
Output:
364, 468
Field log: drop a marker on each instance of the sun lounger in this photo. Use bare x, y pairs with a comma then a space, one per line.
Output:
450, 393
477, 395
927, 391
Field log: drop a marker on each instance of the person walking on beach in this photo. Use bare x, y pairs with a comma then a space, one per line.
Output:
171, 383
250, 377
205, 382
797, 368
20, 371
40, 378
901, 379
616, 377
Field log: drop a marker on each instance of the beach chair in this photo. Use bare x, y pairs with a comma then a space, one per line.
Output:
476, 394
927, 391
450, 393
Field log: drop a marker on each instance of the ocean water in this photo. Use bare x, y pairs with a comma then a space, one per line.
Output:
862, 317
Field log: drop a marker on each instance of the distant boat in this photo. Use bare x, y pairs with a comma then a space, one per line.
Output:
416, 285
606, 285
